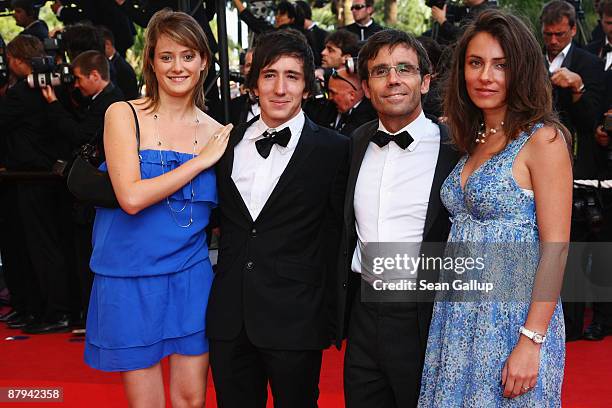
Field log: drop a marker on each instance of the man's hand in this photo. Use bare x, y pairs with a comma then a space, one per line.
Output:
48, 93
601, 136
120, 2
439, 14
564, 78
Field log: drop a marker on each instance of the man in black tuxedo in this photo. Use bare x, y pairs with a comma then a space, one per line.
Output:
99, 12
124, 73
29, 142
314, 34
26, 16
602, 47
364, 27
578, 85
354, 109
601, 325
92, 79
397, 167
281, 186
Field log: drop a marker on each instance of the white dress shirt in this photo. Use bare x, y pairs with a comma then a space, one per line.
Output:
256, 177
393, 188
607, 57
556, 63
253, 111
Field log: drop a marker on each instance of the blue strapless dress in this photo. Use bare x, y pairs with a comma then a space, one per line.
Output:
152, 276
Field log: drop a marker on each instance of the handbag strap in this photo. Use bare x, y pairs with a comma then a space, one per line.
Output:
137, 127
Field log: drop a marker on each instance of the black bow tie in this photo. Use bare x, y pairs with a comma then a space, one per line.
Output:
402, 139
264, 146
606, 49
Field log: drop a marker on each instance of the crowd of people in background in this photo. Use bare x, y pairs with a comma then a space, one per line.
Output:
386, 94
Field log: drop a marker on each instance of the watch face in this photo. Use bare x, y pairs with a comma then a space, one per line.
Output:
537, 338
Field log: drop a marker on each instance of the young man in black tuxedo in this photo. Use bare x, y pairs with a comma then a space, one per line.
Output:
281, 188
398, 164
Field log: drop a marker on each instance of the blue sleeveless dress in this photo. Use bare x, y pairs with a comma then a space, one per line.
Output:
152, 277
470, 341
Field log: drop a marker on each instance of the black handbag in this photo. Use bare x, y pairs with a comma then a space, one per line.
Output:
89, 184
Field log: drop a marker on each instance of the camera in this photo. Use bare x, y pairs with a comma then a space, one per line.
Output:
435, 3
236, 77
45, 72
588, 207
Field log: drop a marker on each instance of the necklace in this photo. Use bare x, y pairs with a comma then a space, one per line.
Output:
481, 135
174, 211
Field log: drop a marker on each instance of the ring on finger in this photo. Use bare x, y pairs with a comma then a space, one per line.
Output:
526, 388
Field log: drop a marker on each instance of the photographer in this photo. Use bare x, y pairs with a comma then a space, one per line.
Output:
124, 73
354, 109
340, 47
449, 33
26, 16
91, 72
601, 325
98, 12
578, 84
363, 27
31, 144
92, 79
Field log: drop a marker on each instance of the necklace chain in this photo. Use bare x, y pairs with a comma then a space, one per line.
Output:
174, 211
481, 135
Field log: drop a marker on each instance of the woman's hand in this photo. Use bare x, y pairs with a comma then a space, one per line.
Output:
520, 373
214, 149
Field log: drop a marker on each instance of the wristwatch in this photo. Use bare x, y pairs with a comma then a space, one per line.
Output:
536, 337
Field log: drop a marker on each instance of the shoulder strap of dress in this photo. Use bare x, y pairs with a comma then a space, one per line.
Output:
137, 126
525, 136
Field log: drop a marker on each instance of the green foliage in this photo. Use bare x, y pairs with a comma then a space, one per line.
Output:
9, 29
412, 15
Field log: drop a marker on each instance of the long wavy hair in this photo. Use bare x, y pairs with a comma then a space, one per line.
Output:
529, 91
185, 30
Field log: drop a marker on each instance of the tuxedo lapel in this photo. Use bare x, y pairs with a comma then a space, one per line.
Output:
228, 164
360, 145
302, 150
446, 162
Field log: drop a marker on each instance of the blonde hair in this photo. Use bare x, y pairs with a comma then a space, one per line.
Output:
184, 30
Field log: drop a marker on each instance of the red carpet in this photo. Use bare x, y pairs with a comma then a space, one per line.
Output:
55, 360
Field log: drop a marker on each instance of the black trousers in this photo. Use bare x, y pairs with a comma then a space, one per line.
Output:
384, 356
44, 210
241, 372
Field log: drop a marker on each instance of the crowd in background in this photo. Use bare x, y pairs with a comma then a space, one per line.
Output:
45, 245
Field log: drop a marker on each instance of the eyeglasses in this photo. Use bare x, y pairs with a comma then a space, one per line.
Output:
402, 70
335, 74
358, 6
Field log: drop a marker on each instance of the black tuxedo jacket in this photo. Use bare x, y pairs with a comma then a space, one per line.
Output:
28, 140
437, 227
81, 129
38, 29
125, 77
316, 38
361, 114
582, 117
367, 31
275, 274
105, 13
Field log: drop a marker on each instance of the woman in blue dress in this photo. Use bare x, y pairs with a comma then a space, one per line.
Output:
510, 200
150, 258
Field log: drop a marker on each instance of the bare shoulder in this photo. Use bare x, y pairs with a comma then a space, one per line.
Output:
117, 111
548, 145
208, 120
547, 140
